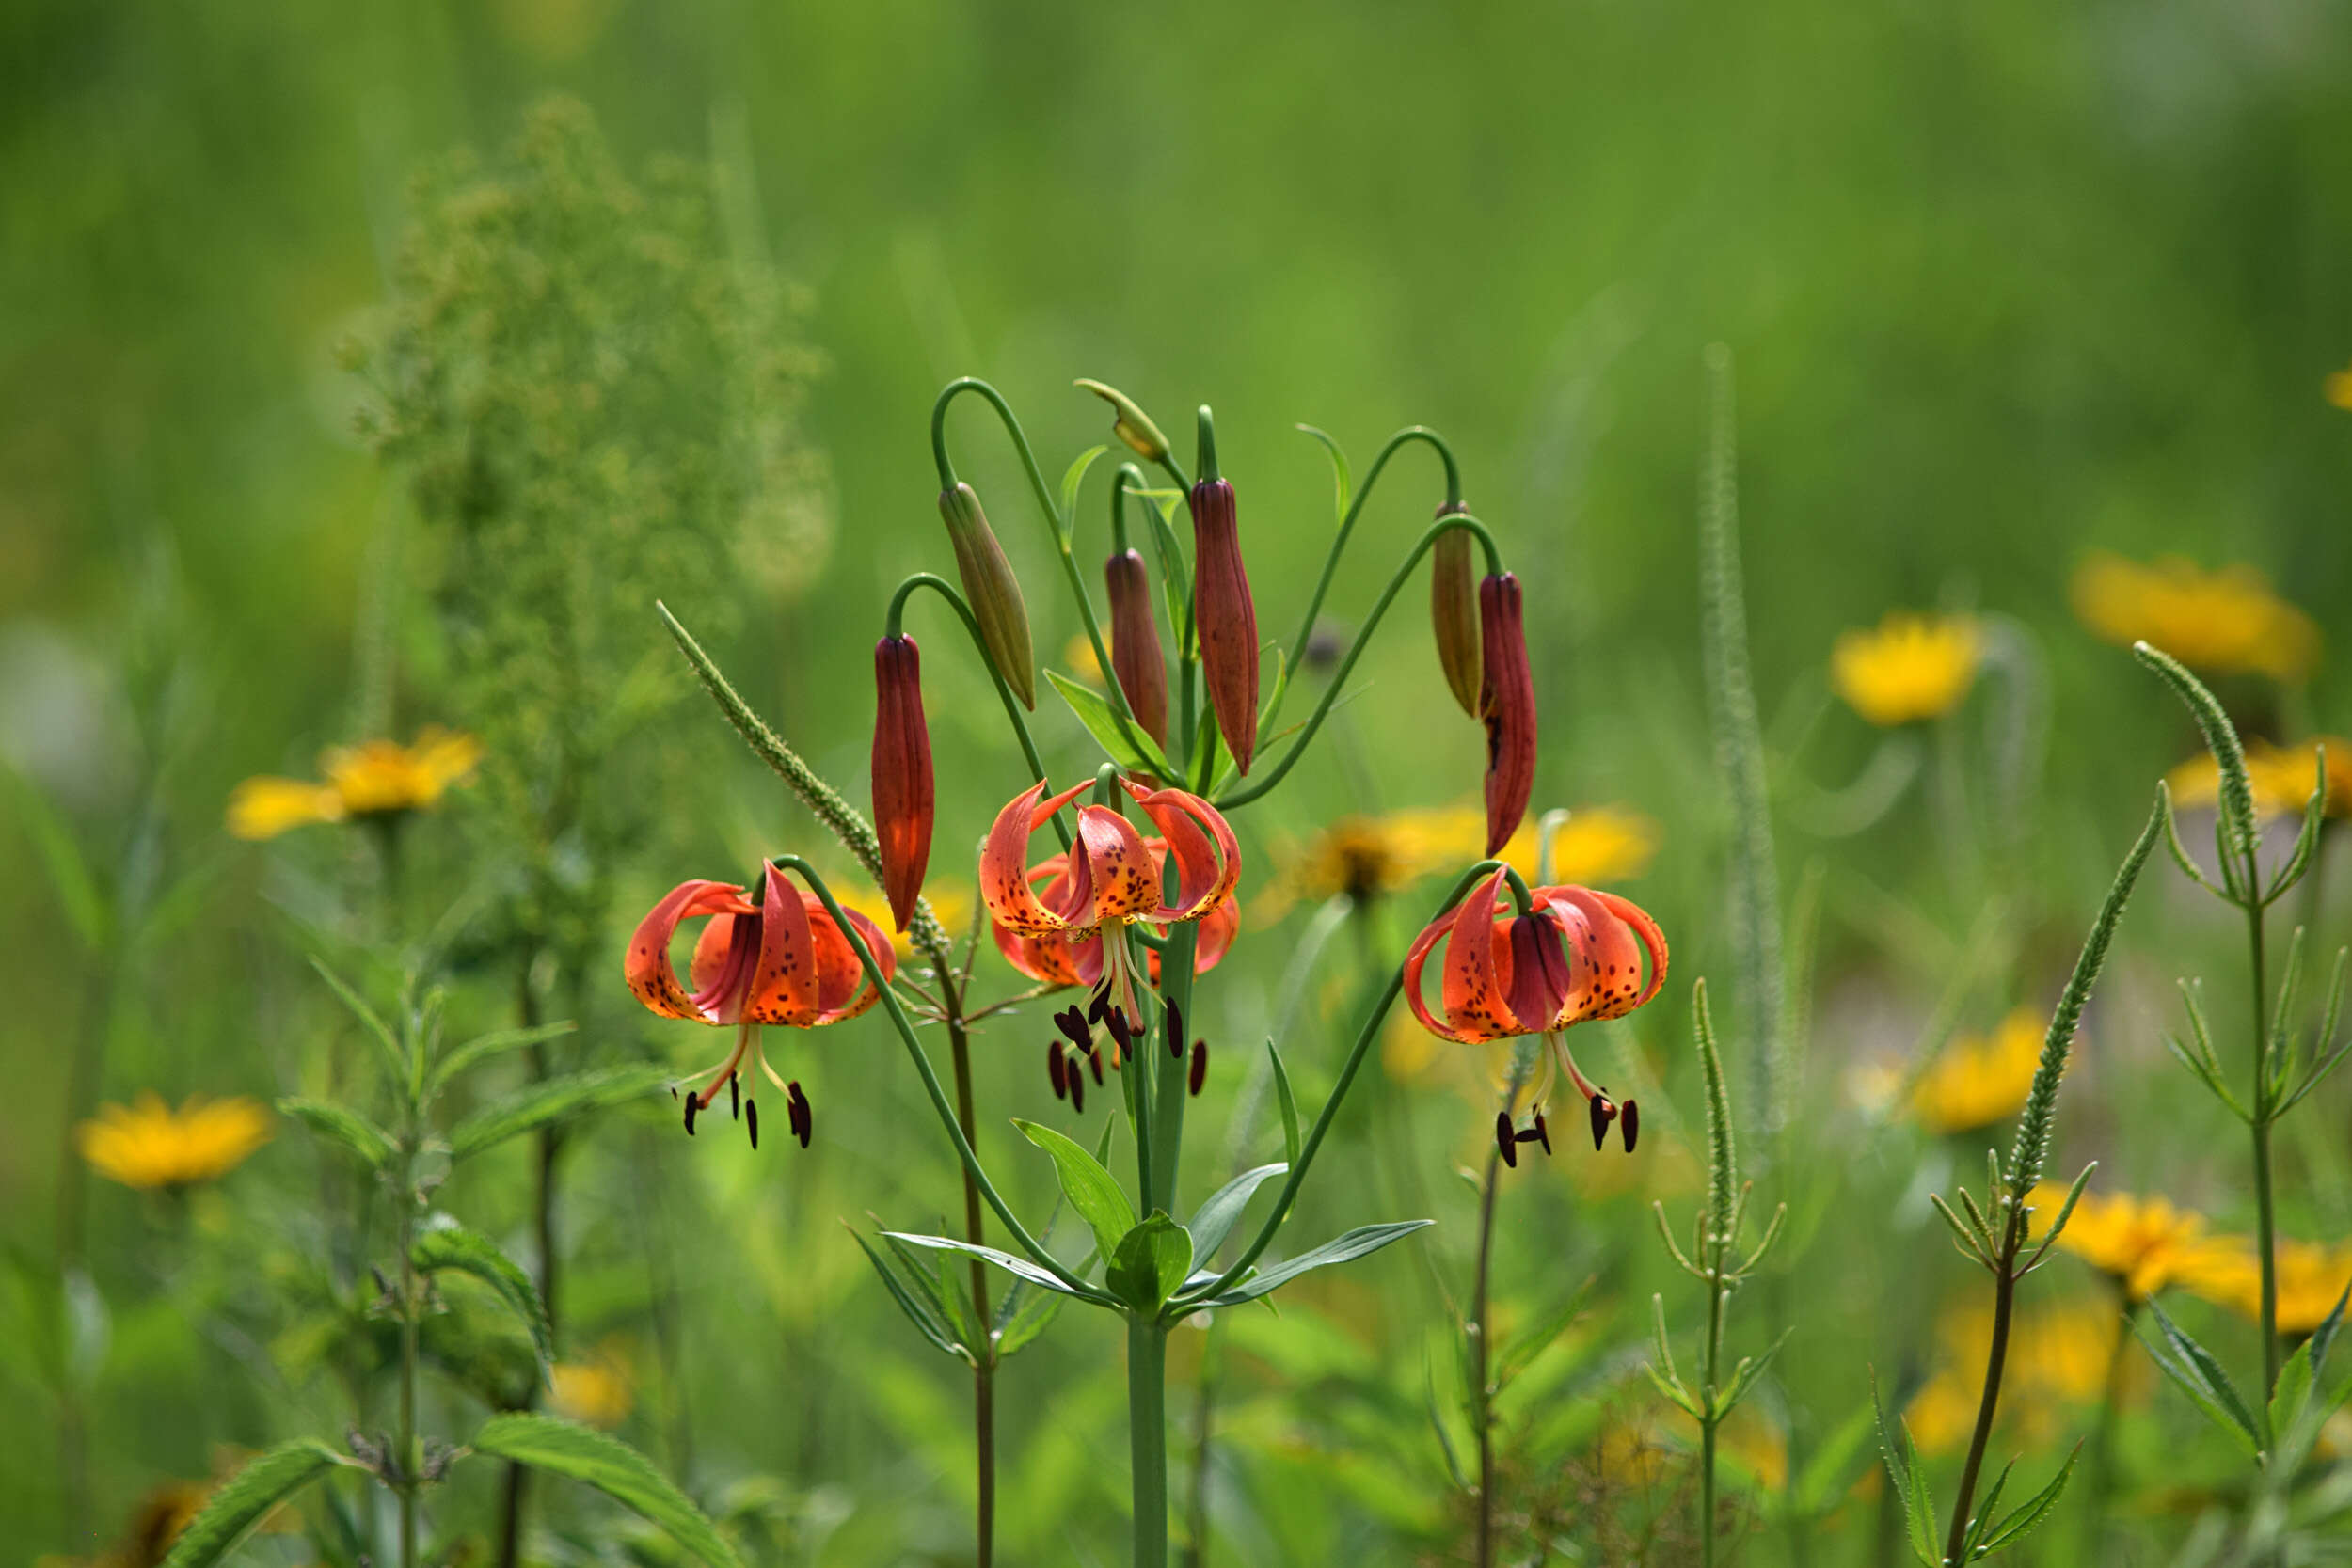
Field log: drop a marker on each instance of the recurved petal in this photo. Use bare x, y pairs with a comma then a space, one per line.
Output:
646, 966
844, 989
1003, 862
1125, 879
1207, 855
1416, 959
1541, 979
1610, 936
784, 987
1477, 973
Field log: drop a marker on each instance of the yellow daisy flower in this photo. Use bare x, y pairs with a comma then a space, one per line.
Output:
598, 1392
2058, 1357
1912, 667
1977, 1079
2280, 776
1370, 857
374, 778
2142, 1244
149, 1145
2227, 623
2311, 1278
2338, 389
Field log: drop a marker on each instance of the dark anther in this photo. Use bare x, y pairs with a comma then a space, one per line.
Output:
673, 1091
1077, 1090
1506, 1142
1094, 1060
735, 1100
1073, 1023
1603, 1114
1054, 1071
752, 1120
1095, 1007
1176, 1034
693, 1103
1116, 1021
1543, 1133
804, 1114
1199, 1074
1633, 1128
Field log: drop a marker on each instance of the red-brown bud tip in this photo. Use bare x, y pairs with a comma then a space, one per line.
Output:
1135, 657
1226, 616
903, 797
1454, 614
991, 590
1507, 704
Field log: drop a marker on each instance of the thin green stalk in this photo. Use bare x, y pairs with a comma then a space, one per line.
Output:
1147, 1434
2265, 1219
2004, 1302
1482, 1386
411, 1462
1435, 531
896, 618
983, 1355
2100, 1485
1173, 1069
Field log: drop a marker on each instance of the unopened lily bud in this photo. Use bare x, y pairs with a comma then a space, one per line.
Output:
1453, 613
992, 591
1226, 616
1130, 423
903, 796
1507, 704
1136, 644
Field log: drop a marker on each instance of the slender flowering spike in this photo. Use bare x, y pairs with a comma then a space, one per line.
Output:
1507, 704
902, 774
994, 591
1227, 617
1506, 1144
1136, 644
1453, 613
1200, 1073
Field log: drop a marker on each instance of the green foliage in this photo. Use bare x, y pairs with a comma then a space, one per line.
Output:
617, 1471
233, 1511
452, 1247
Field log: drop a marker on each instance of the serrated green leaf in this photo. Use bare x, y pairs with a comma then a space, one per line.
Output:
2029, 1512
554, 1099
457, 1059
1341, 1249
2292, 1392
1911, 1484
1148, 1262
1130, 747
2194, 1371
2323, 1339
1215, 1219
230, 1515
455, 1247
355, 1132
613, 1468
1092, 1191
921, 1313
1972, 1539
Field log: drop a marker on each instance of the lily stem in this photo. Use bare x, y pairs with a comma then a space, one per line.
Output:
410, 1465
983, 1355
2004, 1302
1147, 1429
2265, 1223
1481, 1382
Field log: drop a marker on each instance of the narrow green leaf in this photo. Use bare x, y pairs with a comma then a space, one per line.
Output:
1670, 1388
230, 1513
2324, 1338
69, 870
1971, 1540
1129, 747
1343, 485
395, 1054
1911, 1484
2293, 1391
457, 1059
921, 1313
2031, 1511
1020, 1268
1037, 1310
1213, 1220
554, 1099
1829, 1471
455, 1247
1538, 1339
1341, 1249
946, 1290
1744, 1375
1288, 1103
1072, 478
613, 1468
2194, 1371
2307, 837
2180, 853
355, 1132
1149, 1262
1092, 1191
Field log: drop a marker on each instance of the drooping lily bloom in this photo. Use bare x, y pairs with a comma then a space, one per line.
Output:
903, 795
1110, 880
1061, 962
1576, 956
1507, 702
781, 961
1226, 617
1136, 644
1453, 613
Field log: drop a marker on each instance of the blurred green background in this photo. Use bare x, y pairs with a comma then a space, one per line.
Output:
2006, 282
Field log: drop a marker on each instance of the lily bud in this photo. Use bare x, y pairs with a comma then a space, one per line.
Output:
1130, 423
1507, 702
902, 774
994, 591
1226, 618
1136, 644
1453, 613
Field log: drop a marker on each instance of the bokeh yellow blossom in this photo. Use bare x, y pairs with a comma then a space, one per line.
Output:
2142, 1244
2280, 776
951, 900
1079, 654
1911, 667
1370, 857
374, 778
598, 1390
2058, 1357
149, 1145
1596, 845
2312, 1277
2225, 623
1976, 1080
2338, 387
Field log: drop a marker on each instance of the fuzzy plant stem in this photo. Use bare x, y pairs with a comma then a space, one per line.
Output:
2004, 1303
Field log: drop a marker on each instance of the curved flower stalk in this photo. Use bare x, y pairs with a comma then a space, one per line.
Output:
782, 960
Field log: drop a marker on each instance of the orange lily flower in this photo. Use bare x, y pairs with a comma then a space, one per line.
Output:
1576, 956
1110, 879
1055, 961
781, 961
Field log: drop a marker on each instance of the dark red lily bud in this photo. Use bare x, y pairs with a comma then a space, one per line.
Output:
1053, 1070
902, 774
1507, 702
991, 590
1200, 1073
1453, 613
1136, 644
1506, 1144
1631, 1125
1226, 616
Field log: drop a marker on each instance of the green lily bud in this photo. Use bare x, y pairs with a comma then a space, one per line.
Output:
994, 591
1133, 425
1453, 613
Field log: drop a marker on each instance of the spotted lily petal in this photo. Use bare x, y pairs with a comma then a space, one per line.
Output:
1477, 968
1208, 856
1611, 936
1125, 881
646, 967
1004, 862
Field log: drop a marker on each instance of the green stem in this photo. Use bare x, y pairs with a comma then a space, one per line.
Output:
946, 589
2003, 1301
1712, 1374
984, 1355
412, 1461
1481, 1382
2100, 1485
1147, 1434
2265, 1221
1173, 1070
1435, 531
